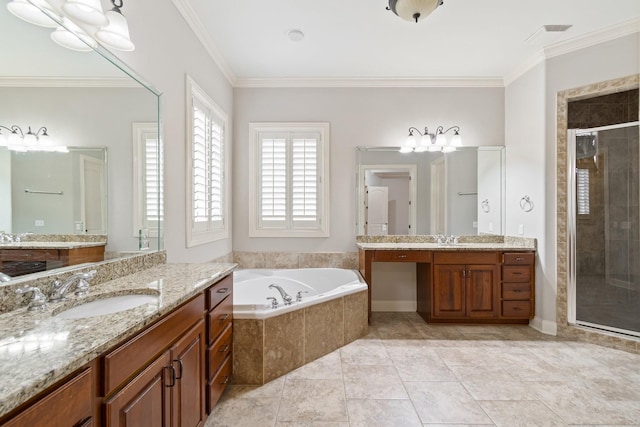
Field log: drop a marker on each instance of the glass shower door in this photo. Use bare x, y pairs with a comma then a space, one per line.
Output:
605, 228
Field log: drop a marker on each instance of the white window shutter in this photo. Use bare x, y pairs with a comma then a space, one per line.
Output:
582, 179
304, 181
153, 183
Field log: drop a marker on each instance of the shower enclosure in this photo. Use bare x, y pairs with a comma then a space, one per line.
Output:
604, 228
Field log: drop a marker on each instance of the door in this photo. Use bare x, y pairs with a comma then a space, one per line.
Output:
92, 195
145, 401
377, 211
187, 397
481, 297
448, 291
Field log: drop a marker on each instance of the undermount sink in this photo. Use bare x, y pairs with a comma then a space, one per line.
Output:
108, 305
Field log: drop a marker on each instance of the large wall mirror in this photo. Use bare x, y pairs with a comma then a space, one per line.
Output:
108, 182
455, 193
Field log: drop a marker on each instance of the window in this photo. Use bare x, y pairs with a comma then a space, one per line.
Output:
207, 168
289, 191
583, 191
147, 171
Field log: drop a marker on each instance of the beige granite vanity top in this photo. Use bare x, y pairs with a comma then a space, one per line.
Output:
49, 245
466, 243
37, 349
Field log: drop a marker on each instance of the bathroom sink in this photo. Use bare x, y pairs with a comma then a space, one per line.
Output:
108, 305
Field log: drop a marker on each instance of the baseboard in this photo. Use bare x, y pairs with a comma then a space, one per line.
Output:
400, 306
545, 326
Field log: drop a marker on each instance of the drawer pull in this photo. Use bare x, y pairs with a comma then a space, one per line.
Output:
222, 290
224, 349
402, 256
224, 317
519, 258
517, 273
173, 376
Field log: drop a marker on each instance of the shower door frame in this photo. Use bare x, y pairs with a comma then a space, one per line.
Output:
572, 216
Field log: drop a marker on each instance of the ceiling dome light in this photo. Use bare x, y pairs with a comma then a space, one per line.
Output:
116, 35
77, 40
295, 35
413, 10
86, 11
33, 14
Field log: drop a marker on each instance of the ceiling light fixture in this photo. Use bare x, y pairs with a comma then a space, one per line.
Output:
295, 35
413, 10
31, 11
425, 141
116, 34
17, 140
86, 11
75, 40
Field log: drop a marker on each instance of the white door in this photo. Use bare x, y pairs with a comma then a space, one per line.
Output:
377, 206
92, 195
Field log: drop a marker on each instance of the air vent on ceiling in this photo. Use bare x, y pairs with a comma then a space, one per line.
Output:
546, 33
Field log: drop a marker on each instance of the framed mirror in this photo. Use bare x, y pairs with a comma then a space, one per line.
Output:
455, 193
109, 183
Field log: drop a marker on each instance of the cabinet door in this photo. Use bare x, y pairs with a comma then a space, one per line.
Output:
144, 401
448, 291
187, 397
481, 296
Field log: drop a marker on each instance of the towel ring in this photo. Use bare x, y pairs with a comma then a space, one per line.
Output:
485, 206
526, 204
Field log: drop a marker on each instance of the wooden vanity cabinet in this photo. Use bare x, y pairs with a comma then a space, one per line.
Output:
219, 339
518, 283
157, 377
69, 403
465, 286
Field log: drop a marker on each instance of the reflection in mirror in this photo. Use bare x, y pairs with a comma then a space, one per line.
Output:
91, 101
456, 193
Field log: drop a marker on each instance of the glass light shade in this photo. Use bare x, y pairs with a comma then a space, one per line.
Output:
86, 11
456, 141
423, 145
406, 9
14, 139
30, 139
45, 141
80, 41
4, 141
448, 149
441, 140
116, 34
405, 149
31, 13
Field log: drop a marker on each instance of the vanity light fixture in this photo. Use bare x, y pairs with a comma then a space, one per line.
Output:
79, 24
413, 10
17, 140
425, 141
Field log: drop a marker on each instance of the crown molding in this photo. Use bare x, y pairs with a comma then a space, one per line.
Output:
111, 82
591, 39
199, 30
369, 82
524, 67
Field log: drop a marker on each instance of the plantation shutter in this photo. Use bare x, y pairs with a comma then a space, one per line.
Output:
582, 179
152, 180
273, 180
305, 180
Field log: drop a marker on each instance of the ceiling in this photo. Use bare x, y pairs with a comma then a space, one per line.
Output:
361, 40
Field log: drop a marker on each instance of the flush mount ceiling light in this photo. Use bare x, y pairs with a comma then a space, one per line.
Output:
295, 35
413, 10
116, 35
425, 141
28, 11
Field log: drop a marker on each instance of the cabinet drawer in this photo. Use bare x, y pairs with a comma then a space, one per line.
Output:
464, 257
219, 318
516, 291
139, 351
217, 385
518, 309
29, 254
219, 291
402, 256
516, 258
516, 273
67, 405
219, 351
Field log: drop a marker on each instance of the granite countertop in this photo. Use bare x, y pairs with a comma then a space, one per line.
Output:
37, 349
446, 247
49, 245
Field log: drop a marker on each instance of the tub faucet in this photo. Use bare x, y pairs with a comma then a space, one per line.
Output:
285, 296
60, 289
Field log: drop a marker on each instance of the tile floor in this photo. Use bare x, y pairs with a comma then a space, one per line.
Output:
408, 373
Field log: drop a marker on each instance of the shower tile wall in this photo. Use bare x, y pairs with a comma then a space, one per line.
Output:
621, 107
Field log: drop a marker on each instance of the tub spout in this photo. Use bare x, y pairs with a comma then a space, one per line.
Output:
285, 296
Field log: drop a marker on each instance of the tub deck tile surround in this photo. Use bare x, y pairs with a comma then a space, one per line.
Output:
562, 240
348, 260
38, 349
265, 349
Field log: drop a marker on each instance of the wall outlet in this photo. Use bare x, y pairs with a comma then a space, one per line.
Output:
39, 223
521, 229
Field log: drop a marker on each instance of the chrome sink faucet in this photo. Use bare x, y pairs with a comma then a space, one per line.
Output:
285, 296
60, 289
37, 300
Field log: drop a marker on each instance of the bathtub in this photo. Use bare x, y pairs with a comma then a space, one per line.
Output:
269, 342
251, 289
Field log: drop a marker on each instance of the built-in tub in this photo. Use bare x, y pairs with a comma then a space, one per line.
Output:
269, 342
251, 289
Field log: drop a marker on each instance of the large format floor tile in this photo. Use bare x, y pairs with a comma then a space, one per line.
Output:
408, 373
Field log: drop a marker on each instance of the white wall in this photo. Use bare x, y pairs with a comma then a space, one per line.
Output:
358, 116
490, 188
167, 50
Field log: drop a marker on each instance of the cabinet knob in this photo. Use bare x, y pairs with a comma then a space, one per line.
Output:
402, 256
519, 258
